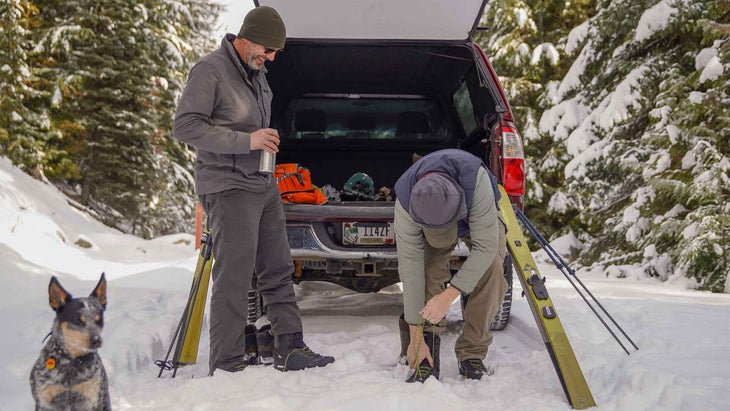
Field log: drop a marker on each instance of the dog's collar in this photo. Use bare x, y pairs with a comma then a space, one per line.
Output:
57, 353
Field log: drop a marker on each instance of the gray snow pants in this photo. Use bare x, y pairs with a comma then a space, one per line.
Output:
248, 231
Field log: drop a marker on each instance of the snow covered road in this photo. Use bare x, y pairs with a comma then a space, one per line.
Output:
684, 336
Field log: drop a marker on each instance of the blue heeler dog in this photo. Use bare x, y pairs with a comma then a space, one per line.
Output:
69, 375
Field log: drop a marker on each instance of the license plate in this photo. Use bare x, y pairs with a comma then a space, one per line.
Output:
358, 233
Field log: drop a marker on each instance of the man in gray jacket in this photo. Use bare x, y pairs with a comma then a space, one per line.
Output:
446, 195
224, 113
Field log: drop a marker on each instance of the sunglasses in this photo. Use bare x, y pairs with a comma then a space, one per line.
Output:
269, 50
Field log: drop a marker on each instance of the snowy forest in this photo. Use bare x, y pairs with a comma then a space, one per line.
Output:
623, 106
624, 109
89, 90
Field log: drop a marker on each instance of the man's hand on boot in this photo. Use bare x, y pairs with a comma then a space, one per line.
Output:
437, 307
418, 344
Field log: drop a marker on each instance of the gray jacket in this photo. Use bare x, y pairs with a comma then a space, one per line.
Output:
219, 108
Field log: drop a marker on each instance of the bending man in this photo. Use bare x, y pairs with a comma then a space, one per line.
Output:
447, 195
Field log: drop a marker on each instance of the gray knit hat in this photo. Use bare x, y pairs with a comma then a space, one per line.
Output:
438, 203
264, 26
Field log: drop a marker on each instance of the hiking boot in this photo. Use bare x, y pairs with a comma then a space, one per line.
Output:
405, 339
265, 345
291, 354
474, 369
250, 351
232, 365
424, 369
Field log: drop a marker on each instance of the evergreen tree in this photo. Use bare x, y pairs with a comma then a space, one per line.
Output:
115, 69
23, 130
645, 129
182, 33
105, 78
526, 40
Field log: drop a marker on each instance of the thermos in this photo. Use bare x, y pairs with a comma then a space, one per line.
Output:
267, 164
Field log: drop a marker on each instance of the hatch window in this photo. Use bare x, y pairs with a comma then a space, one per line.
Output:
462, 102
350, 117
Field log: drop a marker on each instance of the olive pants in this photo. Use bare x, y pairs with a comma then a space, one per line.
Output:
483, 302
248, 231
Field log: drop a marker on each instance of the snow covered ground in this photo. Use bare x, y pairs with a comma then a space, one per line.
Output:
684, 336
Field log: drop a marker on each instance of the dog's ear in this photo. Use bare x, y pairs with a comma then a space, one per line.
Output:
57, 296
415, 157
100, 291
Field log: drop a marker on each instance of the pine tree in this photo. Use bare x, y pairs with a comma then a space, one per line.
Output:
694, 133
645, 130
104, 77
182, 33
23, 131
526, 40
114, 69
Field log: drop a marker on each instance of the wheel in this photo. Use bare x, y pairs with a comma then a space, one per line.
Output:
255, 307
502, 317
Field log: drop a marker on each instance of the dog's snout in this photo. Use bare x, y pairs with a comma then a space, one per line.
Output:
96, 341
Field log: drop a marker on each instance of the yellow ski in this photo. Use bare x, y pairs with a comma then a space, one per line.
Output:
186, 350
543, 310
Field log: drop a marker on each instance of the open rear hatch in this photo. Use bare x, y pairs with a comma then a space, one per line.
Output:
346, 91
379, 19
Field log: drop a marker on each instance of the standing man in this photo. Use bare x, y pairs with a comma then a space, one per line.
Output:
443, 196
224, 113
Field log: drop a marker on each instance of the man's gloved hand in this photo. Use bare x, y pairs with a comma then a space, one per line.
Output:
265, 139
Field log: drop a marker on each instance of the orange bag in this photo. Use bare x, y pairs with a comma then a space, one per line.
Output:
295, 185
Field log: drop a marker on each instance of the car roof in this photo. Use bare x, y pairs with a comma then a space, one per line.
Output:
379, 19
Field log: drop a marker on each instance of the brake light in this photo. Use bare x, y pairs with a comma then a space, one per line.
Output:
513, 162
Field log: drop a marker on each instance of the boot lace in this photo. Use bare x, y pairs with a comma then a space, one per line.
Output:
477, 365
309, 352
422, 372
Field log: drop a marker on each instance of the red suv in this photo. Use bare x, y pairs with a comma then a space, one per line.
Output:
361, 87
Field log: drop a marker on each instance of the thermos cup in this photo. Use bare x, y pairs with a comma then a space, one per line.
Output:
267, 164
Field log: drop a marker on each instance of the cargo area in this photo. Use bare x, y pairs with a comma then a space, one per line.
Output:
343, 107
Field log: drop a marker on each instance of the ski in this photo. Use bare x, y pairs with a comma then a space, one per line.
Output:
186, 350
543, 310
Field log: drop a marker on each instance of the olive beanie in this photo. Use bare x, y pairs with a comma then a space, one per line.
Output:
264, 26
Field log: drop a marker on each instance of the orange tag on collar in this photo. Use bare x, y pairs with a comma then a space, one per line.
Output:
51, 363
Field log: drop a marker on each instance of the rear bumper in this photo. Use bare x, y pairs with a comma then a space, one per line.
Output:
306, 246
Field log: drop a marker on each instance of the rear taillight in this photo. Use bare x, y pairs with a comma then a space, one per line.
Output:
513, 162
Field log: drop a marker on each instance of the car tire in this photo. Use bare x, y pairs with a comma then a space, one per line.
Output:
255, 306
502, 317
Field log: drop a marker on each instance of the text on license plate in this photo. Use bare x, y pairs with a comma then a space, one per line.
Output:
358, 233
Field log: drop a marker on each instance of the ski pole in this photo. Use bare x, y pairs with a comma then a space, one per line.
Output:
561, 264
163, 364
172, 365
532, 232
572, 272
